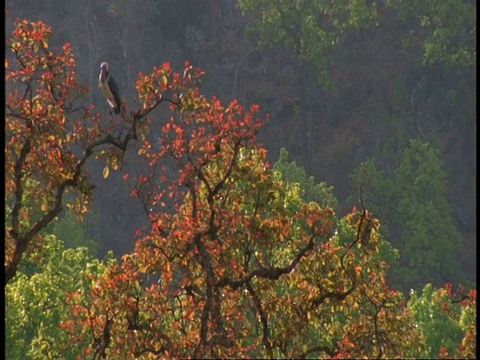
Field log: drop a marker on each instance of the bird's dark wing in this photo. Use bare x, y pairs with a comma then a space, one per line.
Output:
115, 90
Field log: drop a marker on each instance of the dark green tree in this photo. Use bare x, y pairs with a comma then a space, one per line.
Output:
413, 203
76, 232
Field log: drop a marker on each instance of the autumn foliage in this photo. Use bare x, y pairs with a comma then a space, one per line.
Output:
232, 265
44, 121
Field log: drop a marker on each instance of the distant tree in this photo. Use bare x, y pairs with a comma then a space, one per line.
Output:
429, 231
77, 232
447, 29
414, 206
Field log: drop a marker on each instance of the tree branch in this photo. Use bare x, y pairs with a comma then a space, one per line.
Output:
272, 273
317, 349
263, 318
207, 267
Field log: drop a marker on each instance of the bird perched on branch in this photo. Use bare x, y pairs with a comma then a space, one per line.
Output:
109, 88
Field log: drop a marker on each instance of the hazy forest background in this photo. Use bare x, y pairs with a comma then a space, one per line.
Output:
383, 108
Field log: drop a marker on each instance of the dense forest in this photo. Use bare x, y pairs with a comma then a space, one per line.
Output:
282, 179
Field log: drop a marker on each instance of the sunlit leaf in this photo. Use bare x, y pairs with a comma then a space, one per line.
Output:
164, 80
106, 172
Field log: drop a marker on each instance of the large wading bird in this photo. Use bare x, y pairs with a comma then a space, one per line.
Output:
109, 88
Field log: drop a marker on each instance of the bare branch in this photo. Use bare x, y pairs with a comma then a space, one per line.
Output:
272, 273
